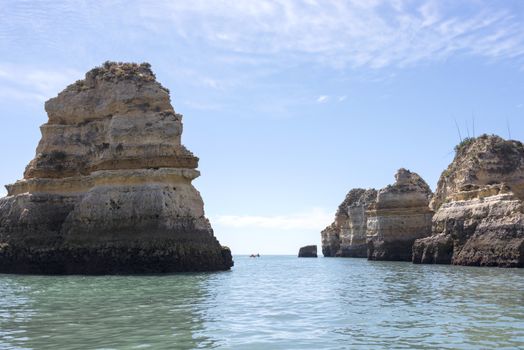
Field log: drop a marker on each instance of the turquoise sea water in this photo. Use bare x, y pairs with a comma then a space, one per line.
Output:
273, 302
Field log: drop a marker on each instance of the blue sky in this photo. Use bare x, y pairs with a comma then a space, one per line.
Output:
288, 104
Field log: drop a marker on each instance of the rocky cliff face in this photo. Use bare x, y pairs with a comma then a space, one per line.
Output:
399, 216
109, 190
346, 236
479, 217
330, 237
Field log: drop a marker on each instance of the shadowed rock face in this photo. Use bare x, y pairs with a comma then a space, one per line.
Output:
479, 217
399, 216
330, 237
346, 236
109, 190
309, 251
352, 219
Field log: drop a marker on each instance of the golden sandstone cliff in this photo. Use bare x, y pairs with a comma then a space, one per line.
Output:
109, 190
479, 208
475, 217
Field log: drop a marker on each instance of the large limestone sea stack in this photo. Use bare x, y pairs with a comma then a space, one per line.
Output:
109, 190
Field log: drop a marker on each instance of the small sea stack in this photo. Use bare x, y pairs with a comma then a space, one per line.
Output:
399, 216
309, 251
109, 191
479, 209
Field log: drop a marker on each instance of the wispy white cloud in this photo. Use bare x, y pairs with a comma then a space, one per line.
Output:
322, 99
326, 98
373, 34
23, 83
315, 219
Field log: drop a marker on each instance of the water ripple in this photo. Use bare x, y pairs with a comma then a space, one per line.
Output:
271, 302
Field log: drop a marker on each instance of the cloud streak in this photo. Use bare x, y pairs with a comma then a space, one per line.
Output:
322, 99
372, 34
23, 83
315, 219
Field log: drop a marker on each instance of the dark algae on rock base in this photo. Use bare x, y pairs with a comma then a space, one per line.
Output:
109, 190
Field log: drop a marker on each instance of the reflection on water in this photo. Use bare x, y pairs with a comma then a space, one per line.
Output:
271, 302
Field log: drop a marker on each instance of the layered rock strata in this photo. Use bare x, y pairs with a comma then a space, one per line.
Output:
399, 216
109, 190
346, 236
479, 217
309, 251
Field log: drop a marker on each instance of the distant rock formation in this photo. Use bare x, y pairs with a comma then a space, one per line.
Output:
479, 217
399, 216
309, 251
353, 235
381, 225
109, 190
346, 236
478, 212
330, 237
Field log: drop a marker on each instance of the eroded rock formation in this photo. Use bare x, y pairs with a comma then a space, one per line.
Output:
309, 251
330, 237
346, 236
399, 216
479, 217
109, 190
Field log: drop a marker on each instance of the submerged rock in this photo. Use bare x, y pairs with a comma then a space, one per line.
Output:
479, 217
309, 251
109, 190
399, 216
346, 236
